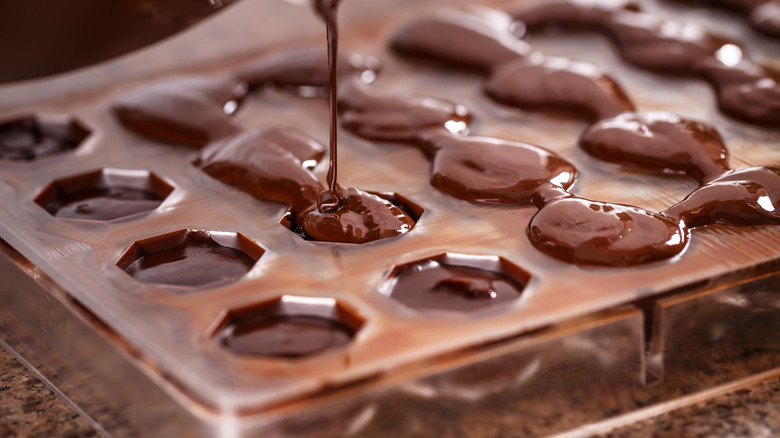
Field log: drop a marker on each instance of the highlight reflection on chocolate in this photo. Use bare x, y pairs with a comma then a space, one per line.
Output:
764, 15
191, 110
285, 336
456, 282
745, 90
186, 259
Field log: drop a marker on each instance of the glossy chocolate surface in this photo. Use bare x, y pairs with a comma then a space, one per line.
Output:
105, 203
191, 110
285, 336
745, 90
586, 232
435, 285
196, 261
763, 15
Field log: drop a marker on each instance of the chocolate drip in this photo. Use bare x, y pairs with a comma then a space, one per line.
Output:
659, 142
745, 90
272, 163
586, 232
360, 217
764, 15
268, 163
192, 110
742, 197
482, 39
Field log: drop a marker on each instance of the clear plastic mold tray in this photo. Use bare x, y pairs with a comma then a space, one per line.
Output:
579, 350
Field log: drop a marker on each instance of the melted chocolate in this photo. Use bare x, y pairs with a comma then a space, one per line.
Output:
39, 37
196, 261
745, 90
741, 197
192, 110
30, 138
586, 232
764, 15
482, 39
104, 204
489, 170
285, 336
272, 163
658, 142
359, 218
439, 286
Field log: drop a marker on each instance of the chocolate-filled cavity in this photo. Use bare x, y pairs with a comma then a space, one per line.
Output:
456, 282
32, 137
190, 110
290, 327
190, 258
285, 336
585, 232
361, 217
104, 195
413, 210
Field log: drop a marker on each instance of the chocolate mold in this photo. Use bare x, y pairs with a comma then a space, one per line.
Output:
575, 333
189, 259
288, 327
455, 283
104, 195
29, 138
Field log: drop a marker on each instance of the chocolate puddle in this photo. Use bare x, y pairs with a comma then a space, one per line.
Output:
763, 15
745, 90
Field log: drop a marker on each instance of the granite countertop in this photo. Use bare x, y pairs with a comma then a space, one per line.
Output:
28, 408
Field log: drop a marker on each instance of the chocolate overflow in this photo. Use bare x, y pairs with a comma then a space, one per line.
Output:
274, 163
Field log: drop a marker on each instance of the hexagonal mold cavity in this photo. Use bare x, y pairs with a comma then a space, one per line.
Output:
188, 259
455, 282
104, 194
414, 210
28, 138
287, 327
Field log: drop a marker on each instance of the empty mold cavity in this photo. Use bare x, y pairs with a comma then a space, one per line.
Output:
455, 282
191, 258
287, 327
104, 194
31, 137
414, 210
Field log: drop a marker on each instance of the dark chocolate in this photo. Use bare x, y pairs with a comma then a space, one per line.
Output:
433, 285
191, 110
285, 336
763, 15
40, 37
104, 204
745, 90
658, 142
585, 232
748, 196
30, 138
196, 261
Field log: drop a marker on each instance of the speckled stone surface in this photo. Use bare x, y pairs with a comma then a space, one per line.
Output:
29, 409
